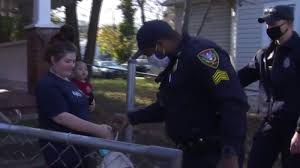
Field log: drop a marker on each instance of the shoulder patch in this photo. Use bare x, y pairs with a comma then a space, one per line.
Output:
220, 76
209, 57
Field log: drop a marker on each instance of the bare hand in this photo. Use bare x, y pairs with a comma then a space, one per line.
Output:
119, 122
231, 162
295, 144
106, 131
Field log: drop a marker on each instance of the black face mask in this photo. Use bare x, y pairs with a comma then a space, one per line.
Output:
275, 32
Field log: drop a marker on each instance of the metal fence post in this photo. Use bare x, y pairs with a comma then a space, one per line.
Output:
130, 98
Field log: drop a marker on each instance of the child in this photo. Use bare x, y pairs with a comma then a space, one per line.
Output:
79, 78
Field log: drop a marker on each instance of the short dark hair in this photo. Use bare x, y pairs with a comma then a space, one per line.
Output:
58, 50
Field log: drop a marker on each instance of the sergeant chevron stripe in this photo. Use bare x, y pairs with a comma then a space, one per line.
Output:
220, 76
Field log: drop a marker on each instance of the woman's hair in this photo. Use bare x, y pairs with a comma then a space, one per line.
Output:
61, 44
58, 50
65, 33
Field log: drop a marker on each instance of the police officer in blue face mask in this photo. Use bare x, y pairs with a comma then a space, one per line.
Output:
277, 68
200, 98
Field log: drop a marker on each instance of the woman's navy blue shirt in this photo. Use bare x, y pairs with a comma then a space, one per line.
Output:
54, 96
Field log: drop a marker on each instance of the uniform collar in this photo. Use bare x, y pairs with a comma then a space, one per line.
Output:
293, 42
173, 59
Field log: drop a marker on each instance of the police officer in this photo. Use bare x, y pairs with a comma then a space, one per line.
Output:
200, 98
277, 67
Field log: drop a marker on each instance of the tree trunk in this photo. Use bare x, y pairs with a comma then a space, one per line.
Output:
92, 34
143, 14
141, 4
71, 19
186, 16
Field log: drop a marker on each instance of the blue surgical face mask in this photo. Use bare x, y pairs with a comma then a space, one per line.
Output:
159, 61
160, 54
159, 58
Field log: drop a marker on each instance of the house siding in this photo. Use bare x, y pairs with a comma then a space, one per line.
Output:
249, 31
13, 61
218, 23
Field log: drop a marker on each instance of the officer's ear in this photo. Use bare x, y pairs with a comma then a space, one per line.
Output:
52, 60
290, 23
168, 45
159, 45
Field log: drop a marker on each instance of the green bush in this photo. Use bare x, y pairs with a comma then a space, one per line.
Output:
11, 28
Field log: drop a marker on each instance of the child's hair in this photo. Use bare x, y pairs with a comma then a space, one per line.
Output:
79, 63
58, 50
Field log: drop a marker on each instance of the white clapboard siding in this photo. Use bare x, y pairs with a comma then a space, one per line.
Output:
248, 34
218, 23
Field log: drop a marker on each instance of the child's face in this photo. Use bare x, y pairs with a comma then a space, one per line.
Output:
80, 71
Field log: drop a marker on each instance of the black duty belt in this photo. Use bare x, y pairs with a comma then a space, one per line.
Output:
200, 145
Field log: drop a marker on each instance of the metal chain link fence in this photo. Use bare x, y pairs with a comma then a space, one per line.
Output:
20, 147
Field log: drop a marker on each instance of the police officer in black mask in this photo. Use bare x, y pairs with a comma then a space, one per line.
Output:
277, 68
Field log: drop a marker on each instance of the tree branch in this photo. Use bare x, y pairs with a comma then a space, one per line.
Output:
204, 17
186, 16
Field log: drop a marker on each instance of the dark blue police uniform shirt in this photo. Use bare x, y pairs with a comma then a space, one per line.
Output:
55, 96
200, 97
283, 79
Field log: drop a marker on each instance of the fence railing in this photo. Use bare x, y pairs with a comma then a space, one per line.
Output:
12, 135
20, 146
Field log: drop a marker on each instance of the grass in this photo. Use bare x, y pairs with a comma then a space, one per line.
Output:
110, 98
116, 89
110, 94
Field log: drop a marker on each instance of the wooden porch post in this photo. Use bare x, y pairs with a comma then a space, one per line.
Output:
38, 36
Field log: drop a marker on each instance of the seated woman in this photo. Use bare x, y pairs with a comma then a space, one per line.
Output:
63, 107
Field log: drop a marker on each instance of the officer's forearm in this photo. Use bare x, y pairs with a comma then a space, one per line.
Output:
247, 76
150, 114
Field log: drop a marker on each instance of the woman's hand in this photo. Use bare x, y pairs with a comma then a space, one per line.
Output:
106, 131
295, 144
